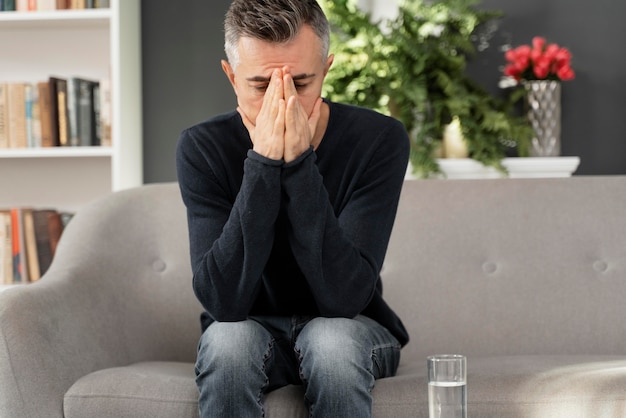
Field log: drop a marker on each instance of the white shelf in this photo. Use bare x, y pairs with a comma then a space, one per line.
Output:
100, 44
527, 167
57, 152
65, 19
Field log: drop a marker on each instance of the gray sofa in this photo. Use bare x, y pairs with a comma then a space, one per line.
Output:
525, 277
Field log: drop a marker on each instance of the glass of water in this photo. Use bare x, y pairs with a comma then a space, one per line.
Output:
447, 386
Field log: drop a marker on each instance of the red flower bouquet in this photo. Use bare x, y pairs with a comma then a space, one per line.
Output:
542, 61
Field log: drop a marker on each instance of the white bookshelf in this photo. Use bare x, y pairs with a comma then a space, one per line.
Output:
97, 44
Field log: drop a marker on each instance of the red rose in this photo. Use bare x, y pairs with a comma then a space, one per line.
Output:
563, 56
540, 61
551, 51
539, 42
541, 71
565, 73
511, 71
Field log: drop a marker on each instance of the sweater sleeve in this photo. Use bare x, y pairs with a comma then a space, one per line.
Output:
341, 254
230, 241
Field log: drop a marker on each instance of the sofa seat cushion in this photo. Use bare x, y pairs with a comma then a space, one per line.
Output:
537, 386
511, 386
149, 389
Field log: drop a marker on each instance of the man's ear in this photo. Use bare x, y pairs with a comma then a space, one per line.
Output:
329, 62
228, 70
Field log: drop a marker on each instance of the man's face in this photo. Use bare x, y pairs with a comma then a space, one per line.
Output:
258, 59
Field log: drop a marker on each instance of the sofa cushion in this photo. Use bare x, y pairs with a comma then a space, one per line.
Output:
547, 386
517, 387
514, 386
141, 390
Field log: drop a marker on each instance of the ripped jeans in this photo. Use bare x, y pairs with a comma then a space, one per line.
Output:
335, 359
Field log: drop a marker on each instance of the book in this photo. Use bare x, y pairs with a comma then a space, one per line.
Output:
6, 248
28, 242
33, 120
45, 115
46, 5
55, 229
105, 112
97, 115
30, 245
17, 115
72, 112
4, 115
20, 272
58, 97
9, 6
41, 218
87, 112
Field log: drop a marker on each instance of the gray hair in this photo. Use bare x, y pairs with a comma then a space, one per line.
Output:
276, 21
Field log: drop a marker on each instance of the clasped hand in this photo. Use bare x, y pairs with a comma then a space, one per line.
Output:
283, 129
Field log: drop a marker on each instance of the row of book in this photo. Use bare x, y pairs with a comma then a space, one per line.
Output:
49, 5
28, 241
72, 111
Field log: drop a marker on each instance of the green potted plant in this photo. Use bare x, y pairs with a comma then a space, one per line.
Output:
413, 67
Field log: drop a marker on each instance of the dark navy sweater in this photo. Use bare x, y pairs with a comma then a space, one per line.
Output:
302, 238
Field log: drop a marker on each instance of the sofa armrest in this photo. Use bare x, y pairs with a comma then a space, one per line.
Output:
112, 296
45, 346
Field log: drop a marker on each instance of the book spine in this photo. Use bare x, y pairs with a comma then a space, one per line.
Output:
6, 265
72, 111
97, 118
30, 246
45, 114
55, 229
105, 112
17, 115
61, 105
28, 111
4, 116
86, 113
15, 245
42, 237
46, 5
9, 5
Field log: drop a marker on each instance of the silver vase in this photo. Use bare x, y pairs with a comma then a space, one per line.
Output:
544, 112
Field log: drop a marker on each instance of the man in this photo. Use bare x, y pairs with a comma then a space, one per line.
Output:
290, 202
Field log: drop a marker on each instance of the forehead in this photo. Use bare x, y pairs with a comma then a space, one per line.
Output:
257, 57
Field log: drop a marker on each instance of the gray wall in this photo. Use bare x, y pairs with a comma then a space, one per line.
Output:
594, 103
183, 82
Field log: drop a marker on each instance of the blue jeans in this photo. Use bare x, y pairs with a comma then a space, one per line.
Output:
336, 359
